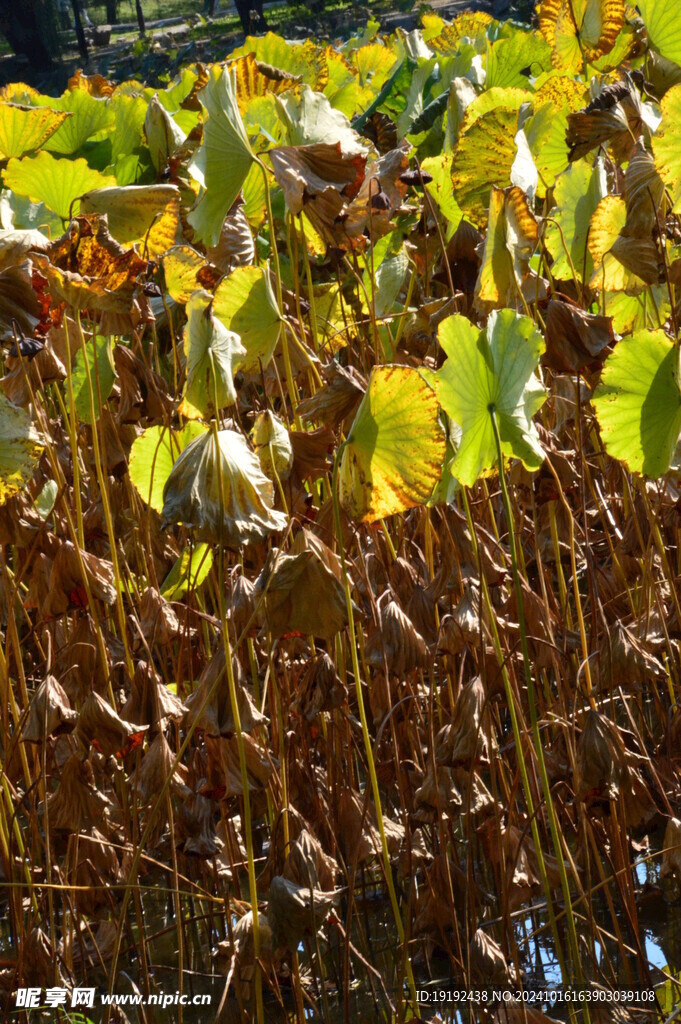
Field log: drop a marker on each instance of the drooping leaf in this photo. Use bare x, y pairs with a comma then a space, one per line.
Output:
491, 368
638, 402
393, 456
510, 241
218, 488
152, 456
441, 191
245, 304
54, 181
25, 129
20, 448
224, 157
101, 377
148, 214
211, 350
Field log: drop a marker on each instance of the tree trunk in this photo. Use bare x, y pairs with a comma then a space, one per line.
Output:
251, 15
140, 17
80, 33
22, 28
112, 12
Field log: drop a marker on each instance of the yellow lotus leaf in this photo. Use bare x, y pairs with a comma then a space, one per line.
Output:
182, 266
667, 145
395, 449
580, 30
255, 78
469, 26
305, 60
245, 303
605, 245
484, 158
24, 129
18, 92
510, 241
374, 64
144, 214
20, 448
663, 26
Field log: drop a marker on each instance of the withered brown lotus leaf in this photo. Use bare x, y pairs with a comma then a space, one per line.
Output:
218, 487
644, 195
358, 836
671, 850
156, 767
19, 522
311, 450
319, 689
601, 759
396, 643
224, 776
510, 851
195, 833
336, 400
97, 865
614, 117
625, 660
93, 946
38, 959
25, 375
235, 247
20, 307
243, 950
100, 725
302, 595
295, 911
17, 243
308, 865
306, 540
476, 799
77, 803
462, 627
79, 658
157, 618
151, 702
382, 178
437, 793
217, 717
66, 587
574, 338
319, 180
488, 965
87, 269
242, 604
464, 740
50, 712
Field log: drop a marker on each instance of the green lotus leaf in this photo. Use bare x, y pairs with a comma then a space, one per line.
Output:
511, 61
245, 303
394, 452
440, 190
20, 448
211, 350
129, 114
309, 118
54, 181
638, 402
91, 118
188, 573
484, 157
24, 129
164, 135
152, 456
577, 194
101, 377
663, 26
667, 144
224, 157
485, 369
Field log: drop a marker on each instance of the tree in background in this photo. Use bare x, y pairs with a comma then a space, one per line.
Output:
30, 27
